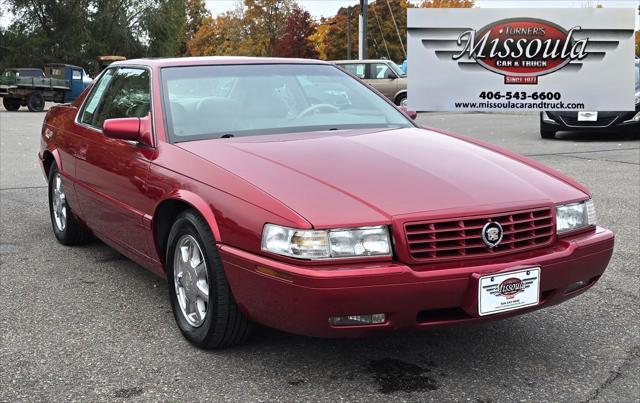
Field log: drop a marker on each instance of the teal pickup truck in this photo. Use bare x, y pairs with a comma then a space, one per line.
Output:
33, 87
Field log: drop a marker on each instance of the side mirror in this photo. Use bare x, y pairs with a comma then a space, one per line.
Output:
130, 129
410, 114
391, 75
122, 128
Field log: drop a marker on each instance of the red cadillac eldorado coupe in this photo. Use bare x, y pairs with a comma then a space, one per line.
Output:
289, 193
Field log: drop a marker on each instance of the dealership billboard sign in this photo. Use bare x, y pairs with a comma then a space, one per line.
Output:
521, 59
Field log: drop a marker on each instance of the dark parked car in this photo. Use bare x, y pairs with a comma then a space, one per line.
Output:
288, 193
552, 122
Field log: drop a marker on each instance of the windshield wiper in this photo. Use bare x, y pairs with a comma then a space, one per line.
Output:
226, 136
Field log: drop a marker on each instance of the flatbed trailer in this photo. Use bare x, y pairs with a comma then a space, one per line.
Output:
62, 83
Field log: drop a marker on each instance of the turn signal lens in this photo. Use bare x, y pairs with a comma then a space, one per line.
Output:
307, 244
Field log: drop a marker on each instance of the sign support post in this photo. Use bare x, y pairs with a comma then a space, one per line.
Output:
362, 30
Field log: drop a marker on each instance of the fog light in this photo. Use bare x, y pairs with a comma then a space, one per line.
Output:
576, 286
355, 320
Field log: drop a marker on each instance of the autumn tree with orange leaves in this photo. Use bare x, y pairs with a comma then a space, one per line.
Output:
383, 38
274, 27
295, 41
447, 4
253, 29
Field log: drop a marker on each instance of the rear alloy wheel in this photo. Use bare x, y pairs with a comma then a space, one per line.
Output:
35, 102
11, 104
66, 228
201, 299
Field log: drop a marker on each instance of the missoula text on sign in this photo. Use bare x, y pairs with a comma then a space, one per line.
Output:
521, 59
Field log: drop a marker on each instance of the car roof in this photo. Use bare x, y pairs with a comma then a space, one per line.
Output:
213, 60
361, 61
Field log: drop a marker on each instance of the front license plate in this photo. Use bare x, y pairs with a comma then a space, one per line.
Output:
503, 292
587, 116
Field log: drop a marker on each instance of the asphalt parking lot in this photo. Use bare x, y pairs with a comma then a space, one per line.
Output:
86, 324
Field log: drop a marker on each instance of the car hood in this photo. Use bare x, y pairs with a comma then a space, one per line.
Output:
363, 177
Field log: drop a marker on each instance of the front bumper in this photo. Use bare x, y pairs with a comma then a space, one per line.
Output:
301, 299
612, 121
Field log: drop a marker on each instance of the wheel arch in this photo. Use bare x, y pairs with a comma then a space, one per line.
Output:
168, 209
49, 157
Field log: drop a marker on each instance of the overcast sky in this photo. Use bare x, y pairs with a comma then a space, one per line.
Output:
328, 8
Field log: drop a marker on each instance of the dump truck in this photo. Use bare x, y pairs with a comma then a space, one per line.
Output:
60, 83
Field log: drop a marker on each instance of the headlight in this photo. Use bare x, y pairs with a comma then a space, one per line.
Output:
326, 244
575, 216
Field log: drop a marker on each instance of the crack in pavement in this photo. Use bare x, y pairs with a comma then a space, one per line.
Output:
584, 152
615, 373
599, 159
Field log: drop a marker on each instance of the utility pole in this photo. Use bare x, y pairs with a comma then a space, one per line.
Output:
349, 14
362, 30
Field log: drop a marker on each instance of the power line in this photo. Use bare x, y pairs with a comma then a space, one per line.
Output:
404, 52
381, 33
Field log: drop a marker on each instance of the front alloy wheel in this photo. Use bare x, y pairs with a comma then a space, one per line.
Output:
201, 298
191, 280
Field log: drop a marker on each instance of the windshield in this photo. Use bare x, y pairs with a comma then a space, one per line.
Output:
205, 102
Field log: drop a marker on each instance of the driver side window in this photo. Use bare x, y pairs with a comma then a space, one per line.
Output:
122, 93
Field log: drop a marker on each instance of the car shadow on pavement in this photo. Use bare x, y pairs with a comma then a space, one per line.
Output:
419, 361
402, 362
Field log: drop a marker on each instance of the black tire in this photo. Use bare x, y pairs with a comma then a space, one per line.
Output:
11, 104
547, 134
35, 102
73, 232
401, 98
224, 325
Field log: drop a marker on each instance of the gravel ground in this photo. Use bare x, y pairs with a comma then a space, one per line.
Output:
87, 324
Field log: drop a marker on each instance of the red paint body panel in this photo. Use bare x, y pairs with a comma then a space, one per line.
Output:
318, 180
123, 129
375, 175
303, 305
